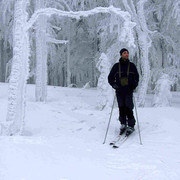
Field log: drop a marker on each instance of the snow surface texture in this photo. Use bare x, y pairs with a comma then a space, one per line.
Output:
63, 140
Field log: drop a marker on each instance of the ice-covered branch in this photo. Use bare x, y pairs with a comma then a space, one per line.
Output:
127, 6
50, 11
55, 41
168, 39
65, 4
176, 11
141, 16
56, 27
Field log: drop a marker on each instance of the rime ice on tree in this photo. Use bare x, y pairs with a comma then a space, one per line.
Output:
20, 71
105, 94
20, 68
136, 9
162, 94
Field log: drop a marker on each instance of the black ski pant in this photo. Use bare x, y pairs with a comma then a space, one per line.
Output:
125, 104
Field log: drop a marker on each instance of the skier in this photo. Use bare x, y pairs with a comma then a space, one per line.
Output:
124, 78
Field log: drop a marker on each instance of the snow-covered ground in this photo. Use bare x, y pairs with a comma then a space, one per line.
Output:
63, 140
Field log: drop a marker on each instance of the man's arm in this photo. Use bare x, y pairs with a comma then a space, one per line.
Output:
111, 76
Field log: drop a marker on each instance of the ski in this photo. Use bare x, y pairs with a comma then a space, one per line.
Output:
119, 143
115, 141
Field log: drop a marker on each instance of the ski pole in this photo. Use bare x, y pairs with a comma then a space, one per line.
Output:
137, 122
109, 119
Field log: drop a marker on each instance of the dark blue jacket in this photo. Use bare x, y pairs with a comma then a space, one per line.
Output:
133, 77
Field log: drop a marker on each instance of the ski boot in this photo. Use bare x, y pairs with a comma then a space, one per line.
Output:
129, 131
122, 129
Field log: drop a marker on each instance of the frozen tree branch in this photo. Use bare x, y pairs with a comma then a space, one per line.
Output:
65, 4
168, 39
57, 28
55, 41
77, 15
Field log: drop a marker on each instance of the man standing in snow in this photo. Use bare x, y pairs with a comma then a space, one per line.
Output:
124, 78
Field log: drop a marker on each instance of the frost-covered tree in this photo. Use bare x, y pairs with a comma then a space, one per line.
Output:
41, 54
96, 34
20, 71
20, 68
163, 18
90, 37
162, 96
42, 38
6, 26
142, 33
74, 41
105, 97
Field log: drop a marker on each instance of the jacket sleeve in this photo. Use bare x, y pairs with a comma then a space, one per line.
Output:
111, 76
136, 78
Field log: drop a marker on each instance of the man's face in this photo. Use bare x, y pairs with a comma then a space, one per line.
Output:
125, 55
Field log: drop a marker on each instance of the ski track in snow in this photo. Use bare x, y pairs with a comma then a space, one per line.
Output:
63, 141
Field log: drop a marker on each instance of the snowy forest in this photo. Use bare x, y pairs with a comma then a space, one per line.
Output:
57, 106
74, 43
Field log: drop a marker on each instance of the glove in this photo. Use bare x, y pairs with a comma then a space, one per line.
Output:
115, 86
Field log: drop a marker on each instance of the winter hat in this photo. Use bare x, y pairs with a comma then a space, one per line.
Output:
122, 50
